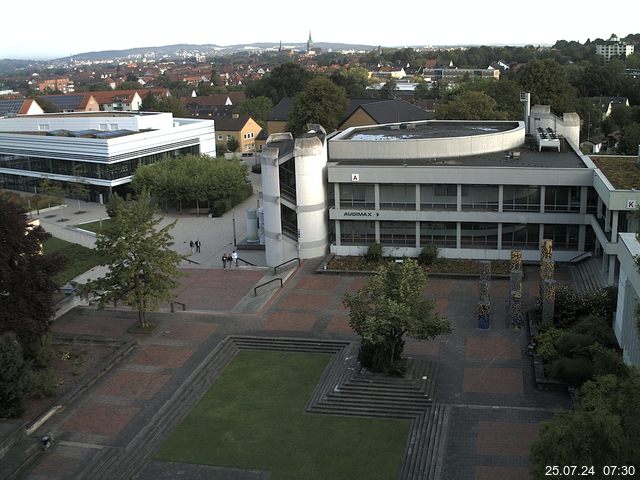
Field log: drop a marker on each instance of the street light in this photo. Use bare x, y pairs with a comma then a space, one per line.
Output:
233, 219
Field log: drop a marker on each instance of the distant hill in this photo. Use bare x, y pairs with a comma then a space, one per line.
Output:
172, 51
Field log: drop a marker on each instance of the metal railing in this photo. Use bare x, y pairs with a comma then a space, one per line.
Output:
275, 269
245, 261
255, 290
190, 261
582, 256
173, 308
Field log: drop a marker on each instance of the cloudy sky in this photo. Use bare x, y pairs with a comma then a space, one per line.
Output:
44, 30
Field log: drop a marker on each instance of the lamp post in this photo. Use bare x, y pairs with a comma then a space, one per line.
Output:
233, 220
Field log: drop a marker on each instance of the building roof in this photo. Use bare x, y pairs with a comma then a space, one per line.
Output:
230, 124
113, 96
280, 112
71, 101
622, 172
15, 107
437, 129
397, 110
215, 100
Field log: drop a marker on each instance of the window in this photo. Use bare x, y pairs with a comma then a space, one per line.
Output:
520, 198
229, 137
220, 137
565, 237
251, 135
521, 235
480, 197
398, 196
402, 234
104, 126
357, 195
479, 235
43, 127
562, 199
440, 234
353, 232
438, 197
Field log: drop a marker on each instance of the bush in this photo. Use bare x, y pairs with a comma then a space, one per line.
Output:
220, 207
546, 344
597, 327
573, 371
428, 255
374, 254
574, 344
12, 377
40, 352
608, 361
571, 306
40, 383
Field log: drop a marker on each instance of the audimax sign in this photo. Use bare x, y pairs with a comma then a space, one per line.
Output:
360, 214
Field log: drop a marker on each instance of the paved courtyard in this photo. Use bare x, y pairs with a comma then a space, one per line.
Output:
485, 377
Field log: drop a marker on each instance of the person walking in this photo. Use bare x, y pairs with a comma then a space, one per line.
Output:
191, 244
234, 257
198, 245
224, 260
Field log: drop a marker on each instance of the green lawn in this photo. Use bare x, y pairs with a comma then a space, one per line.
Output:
79, 258
94, 226
253, 417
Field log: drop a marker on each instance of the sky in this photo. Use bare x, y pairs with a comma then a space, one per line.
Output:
45, 30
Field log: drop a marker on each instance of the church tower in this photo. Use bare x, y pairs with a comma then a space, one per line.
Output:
309, 43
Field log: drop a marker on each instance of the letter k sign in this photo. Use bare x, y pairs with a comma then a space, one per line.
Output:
355, 177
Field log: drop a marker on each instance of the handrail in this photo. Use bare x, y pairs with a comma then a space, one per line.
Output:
189, 260
578, 258
284, 263
248, 263
255, 290
184, 307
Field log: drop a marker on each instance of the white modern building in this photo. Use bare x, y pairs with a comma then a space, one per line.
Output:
101, 149
614, 48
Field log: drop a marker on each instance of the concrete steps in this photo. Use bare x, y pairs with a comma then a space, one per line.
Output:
587, 276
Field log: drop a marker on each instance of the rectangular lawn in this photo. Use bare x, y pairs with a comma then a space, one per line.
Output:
79, 259
253, 417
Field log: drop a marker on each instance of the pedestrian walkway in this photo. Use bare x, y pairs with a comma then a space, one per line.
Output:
489, 408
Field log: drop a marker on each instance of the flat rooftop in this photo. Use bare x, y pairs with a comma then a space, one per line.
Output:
429, 129
528, 159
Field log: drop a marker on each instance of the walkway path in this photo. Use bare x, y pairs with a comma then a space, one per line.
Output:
484, 379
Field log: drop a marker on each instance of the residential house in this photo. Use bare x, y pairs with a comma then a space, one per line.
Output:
118, 100
614, 48
607, 104
23, 106
73, 102
212, 105
363, 112
241, 127
64, 85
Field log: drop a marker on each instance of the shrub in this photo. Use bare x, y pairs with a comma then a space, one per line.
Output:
40, 383
546, 344
40, 352
608, 361
571, 306
574, 344
428, 255
374, 254
573, 371
12, 377
597, 327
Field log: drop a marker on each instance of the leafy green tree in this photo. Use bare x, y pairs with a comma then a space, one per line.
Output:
53, 189
389, 90
602, 430
13, 370
321, 102
469, 105
423, 91
548, 83
142, 267
26, 287
257, 108
153, 103
391, 305
630, 140
285, 80
354, 80
233, 144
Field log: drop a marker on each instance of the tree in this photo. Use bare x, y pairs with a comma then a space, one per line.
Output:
630, 139
422, 91
153, 103
602, 430
13, 370
142, 267
389, 90
354, 80
548, 83
233, 144
391, 305
257, 108
321, 102
26, 287
285, 80
469, 105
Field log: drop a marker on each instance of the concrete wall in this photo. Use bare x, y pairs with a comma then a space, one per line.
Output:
625, 323
271, 203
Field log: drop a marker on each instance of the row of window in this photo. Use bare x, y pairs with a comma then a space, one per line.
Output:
76, 168
472, 235
473, 197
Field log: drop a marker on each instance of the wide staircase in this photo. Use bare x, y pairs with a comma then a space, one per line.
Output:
587, 276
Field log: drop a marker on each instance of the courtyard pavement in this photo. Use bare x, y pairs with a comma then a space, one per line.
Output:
485, 376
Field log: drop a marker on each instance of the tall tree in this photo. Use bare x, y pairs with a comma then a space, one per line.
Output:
26, 287
257, 108
548, 83
354, 80
391, 305
469, 105
142, 267
12, 376
322, 102
285, 80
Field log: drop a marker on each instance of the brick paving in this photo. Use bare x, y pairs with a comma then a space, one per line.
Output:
483, 375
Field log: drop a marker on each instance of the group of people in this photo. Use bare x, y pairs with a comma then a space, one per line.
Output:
229, 258
195, 246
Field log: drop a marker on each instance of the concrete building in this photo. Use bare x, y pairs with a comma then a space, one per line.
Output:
98, 148
614, 48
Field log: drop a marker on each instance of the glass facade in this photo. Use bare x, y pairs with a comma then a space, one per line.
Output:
401, 234
441, 234
289, 222
516, 198
438, 197
357, 233
398, 196
565, 237
355, 195
479, 235
287, 177
562, 199
521, 235
480, 197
